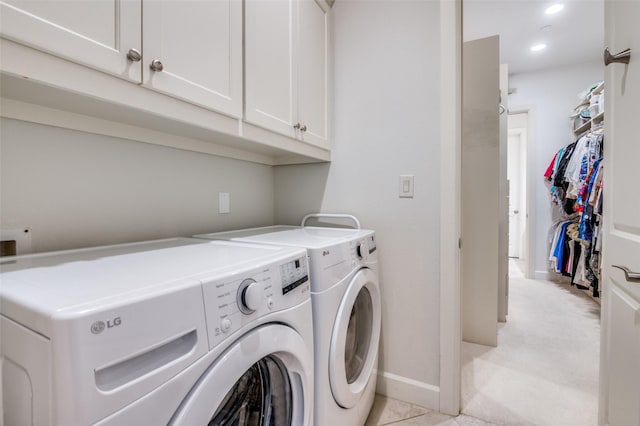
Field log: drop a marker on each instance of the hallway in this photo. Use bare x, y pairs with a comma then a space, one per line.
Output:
545, 368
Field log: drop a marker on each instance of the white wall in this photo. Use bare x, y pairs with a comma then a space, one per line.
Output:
386, 123
553, 93
76, 189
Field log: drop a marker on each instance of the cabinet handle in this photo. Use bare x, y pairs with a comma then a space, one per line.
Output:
303, 128
134, 55
156, 65
628, 274
296, 126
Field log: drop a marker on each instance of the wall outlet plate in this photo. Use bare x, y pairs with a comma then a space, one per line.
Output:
15, 241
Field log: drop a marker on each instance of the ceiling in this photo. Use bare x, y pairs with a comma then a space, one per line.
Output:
574, 35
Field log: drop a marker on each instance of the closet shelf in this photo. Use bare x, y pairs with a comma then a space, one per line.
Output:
597, 119
583, 128
598, 89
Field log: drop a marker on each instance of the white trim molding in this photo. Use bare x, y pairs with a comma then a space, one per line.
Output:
530, 212
544, 276
550, 276
450, 205
409, 390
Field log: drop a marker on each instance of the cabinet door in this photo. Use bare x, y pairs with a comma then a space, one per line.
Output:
312, 69
96, 33
270, 74
199, 44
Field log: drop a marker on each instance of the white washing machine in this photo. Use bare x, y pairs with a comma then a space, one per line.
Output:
345, 296
177, 332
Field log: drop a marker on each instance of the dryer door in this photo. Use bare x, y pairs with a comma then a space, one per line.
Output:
354, 342
264, 378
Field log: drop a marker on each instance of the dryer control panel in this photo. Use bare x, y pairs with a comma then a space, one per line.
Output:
233, 302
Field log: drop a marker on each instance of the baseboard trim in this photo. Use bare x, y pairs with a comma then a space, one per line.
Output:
545, 275
549, 276
409, 390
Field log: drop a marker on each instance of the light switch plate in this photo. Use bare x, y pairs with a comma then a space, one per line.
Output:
224, 203
406, 186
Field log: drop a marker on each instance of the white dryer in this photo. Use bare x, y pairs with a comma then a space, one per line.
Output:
345, 296
178, 332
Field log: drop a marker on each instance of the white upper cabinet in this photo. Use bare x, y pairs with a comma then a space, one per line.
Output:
193, 51
96, 33
312, 71
286, 54
196, 45
245, 79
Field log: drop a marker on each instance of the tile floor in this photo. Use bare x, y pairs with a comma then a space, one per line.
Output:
388, 411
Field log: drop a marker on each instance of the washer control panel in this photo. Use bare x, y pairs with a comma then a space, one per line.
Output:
294, 274
233, 302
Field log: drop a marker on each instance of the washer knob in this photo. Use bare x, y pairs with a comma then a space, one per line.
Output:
360, 250
250, 296
226, 325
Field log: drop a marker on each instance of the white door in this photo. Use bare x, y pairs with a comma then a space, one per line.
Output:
197, 49
96, 33
312, 72
270, 72
480, 188
513, 173
354, 341
263, 379
620, 345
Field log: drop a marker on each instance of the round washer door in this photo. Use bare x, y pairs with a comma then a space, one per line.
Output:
262, 379
354, 342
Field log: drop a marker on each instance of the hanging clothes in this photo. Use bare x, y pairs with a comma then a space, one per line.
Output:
574, 178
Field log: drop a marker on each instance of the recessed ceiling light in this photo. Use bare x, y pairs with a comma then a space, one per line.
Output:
554, 9
538, 47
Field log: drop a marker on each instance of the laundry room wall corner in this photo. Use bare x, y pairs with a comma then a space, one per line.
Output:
386, 119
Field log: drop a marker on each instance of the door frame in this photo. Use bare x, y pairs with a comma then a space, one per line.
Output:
450, 205
530, 212
520, 134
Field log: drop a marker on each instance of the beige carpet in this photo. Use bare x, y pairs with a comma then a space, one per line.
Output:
545, 368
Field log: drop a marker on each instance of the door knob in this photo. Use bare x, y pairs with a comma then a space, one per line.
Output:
621, 58
156, 65
303, 128
134, 55
628, 274
296, 126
